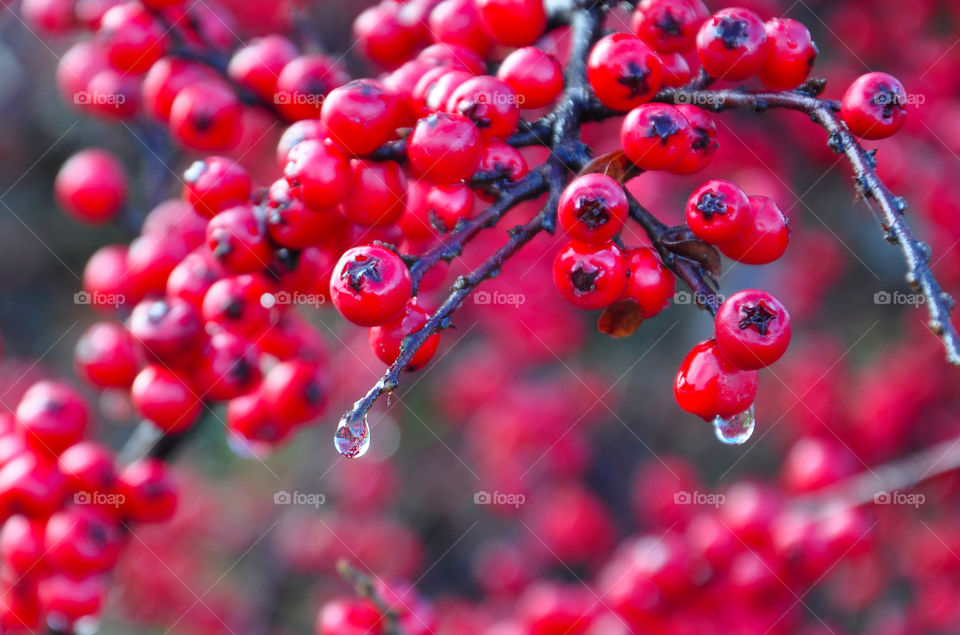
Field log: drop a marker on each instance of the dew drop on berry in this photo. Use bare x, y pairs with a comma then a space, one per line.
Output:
353, 437
735, 430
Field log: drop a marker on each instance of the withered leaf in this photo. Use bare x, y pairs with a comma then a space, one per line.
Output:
614, 164
620, 319
682, 242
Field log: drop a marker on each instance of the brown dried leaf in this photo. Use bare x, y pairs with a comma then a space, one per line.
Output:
620, 319
614, 164
682, 242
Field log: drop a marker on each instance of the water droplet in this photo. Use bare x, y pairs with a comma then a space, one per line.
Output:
353, 437
737, 429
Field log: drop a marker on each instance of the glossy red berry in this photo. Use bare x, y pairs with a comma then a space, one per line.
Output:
304, 83
490, 103
318, 172
31, 484
590, 276
249, 418
66, 598
236, 304
292, 224
764, 238
669, 25
378, 191
150, 260
592, 208
348, 617
753, 329
105, 277
676, 69
132, 37
149, 493
433, 90
704, 140
88, 468
258, 64
165, 79
370, 285
386, 339
105, 356
651, 285
718, 211
213, 183
791, 55
360, 116
656, 136
384, 35
206, 116
51, 416
191, 279
536, 76
82, 540
303, 130
165, 398
295, 391
237, 239
709, 386
22, 544
732, 44
445, 148
623, 71
91, 186
875, 106
229, 366
457, 22
167, 330
513, 22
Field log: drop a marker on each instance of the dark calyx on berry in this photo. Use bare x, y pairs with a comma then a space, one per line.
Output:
889, 98
669, 24
636, 79
711, 204
474, 110
757, 317
732, 32
592, 211
662, 125
584, 281
359, 270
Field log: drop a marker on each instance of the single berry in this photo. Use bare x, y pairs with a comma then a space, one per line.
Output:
91, 186
753, 329
235, 304
764, 238
206, 116
258, 65
718, 211
592, 208
51, 416
148, 490
164, 81
590, 276
513, 22
166, 398
295, 391
386, 340
292, 224
623, 71
704, 145
318, 172
82, 540
228, 367
378, 193
536, 76
237, 239
445, 148
669, 26
132, 37
875, 106
212, 183
304, 83
360, 116
676, 69
490, 103
732, 44
370, 285
457, 22
656, 136
650, 284
791, 55
708, 385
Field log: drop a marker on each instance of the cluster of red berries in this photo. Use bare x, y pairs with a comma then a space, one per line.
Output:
66, 509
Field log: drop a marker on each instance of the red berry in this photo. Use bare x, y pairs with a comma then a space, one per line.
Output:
150, 260
592, 208
709, 386
490, 103
295, 391
318, 172
669, 25
502, 160
106, 285
165, 398
148, 490
377, 194
212, 183
753, 329
360, 116
191, 279
590, 276
51, 416
435, 209
383, 34
370, 285
732, 44
77, 67
91, 186
249, 417
349, 617
132, 37
445, 148
651, 284
292, 224
31, 484
178, 218
304, 83
229, 367
167, 330
457, 22
432, 91
704, 144
206, 116
258, 64
536, 76
303, 130
236, 304
718, 211
875, 106
623, 71
22, 544
676, 69
656, 136
105, 356
82, 540
765, 236
65, 598
443, 54
513, 22
791, 55
88, 467
50, 16
164, 81
238, 240
386, 339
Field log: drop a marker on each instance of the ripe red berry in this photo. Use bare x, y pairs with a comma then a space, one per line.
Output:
656, 136
82, 540
191, 279
370, 285
503, 161
229, 367
238, 240
132, 37
105, 356
765, 236
623, 71
91, 186
457, 22
536, 76
732, 44
718, 211
445, 148
318, 172
150, 260
66, 598
212, 183
236, 304
31, 484
709, 386
303, 130
360, 116
791, 55
676, 69
110, 94
590, 276
651, 285
295, 391
386, 339
753, 329
257, 65
249, 418
490, 103
592, 208
345, 617
292, 224
167, 330
88, 467
443, 54
378, 192
206, 116
669, 25
704, 144
165, 79
165, 398
105, 276
384, 35
304, 83
51, 416
875, 106
513, 22
149, 493
433, 90
22, 544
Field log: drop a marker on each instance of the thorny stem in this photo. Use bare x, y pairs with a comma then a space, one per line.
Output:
363, 585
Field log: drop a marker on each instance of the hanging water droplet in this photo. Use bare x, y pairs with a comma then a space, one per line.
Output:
737, 429
353, 437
